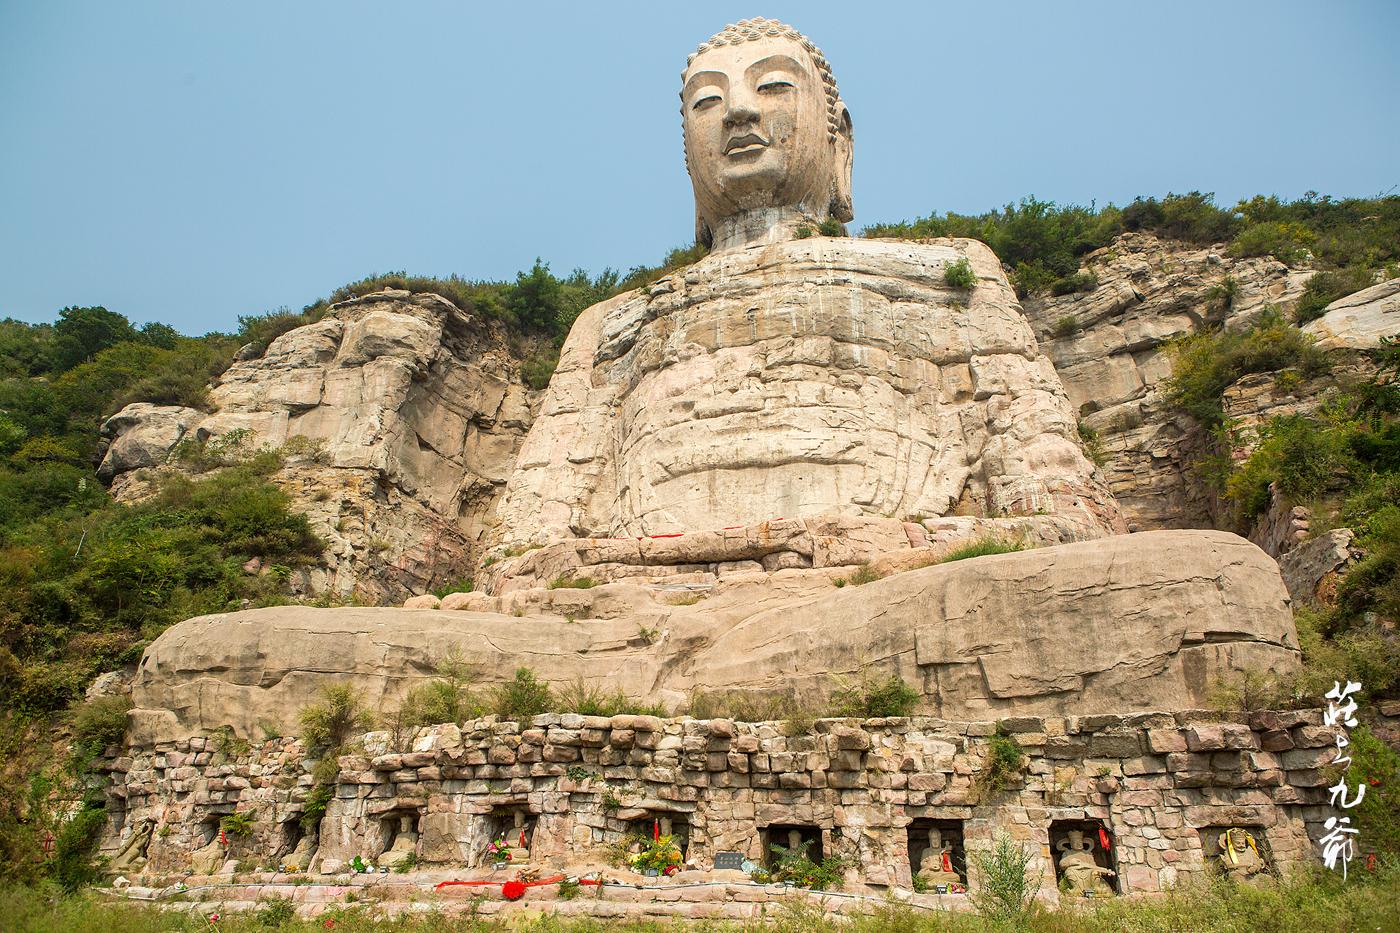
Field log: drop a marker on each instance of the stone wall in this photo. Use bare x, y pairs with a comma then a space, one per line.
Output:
1163, 785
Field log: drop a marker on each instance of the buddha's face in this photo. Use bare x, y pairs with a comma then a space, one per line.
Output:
756, 132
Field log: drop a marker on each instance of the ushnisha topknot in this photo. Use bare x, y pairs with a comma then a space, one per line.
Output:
750, 30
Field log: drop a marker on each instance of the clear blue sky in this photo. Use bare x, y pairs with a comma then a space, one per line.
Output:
191, 162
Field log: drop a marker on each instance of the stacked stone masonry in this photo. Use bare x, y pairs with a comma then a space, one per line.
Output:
1162, 785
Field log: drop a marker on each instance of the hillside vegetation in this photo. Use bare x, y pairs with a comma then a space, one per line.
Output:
1041, 243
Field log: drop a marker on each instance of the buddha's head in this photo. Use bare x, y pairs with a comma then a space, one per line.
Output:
767, 138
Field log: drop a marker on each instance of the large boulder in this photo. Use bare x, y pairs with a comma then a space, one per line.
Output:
1149, 621
1360, 320
143, 435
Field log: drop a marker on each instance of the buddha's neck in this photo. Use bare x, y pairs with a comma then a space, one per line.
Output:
762, 225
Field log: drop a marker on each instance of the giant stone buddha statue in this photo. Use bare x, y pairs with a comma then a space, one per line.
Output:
794, 375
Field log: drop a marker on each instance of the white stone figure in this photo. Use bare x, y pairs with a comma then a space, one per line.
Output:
1082, 875
936, 867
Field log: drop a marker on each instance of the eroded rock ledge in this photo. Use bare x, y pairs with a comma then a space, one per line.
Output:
1135, 622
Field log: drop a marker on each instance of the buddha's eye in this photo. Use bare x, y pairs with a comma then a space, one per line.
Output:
775, 85
703, 102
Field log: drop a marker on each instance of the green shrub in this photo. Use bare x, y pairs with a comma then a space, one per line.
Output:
523, 697
71, 866
795, 866
592, 699
1286, 241
1067, 326
317, 800
831, 227
1205, 364
276, 912
959, 274
1078, 282
1007, 890
334, 718
1222, 295
1093, 444
574, 583
1326, 287
464, 585
871, 697
538, 369
448, 697
1375, 766
802, 232
1002, 765
982, 547
237, 824
101, 722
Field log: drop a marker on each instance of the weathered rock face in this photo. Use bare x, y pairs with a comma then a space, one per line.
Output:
1136, 622
1359, 321
1107, 346
142, 435
413, 411
813, 377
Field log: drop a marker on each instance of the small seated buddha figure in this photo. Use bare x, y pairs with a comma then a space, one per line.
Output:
936, 866
405, 842
518, 840
1240, 858
1082, 875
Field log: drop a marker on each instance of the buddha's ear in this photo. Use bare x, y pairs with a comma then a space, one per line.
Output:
703, 235
841, 207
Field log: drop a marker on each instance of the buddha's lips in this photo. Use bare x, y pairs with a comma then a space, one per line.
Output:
749, 142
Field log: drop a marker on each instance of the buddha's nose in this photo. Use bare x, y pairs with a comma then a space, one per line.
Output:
742, 109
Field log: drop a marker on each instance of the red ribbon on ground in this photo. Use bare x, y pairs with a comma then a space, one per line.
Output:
512, 890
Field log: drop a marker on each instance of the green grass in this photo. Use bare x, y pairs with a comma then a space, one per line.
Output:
981, 548
1312, 903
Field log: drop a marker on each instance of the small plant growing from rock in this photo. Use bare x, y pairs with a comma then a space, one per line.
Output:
981, 548
648, 635
802, 232
523, 697
794, 865
238, 824
569, 889
575, 583
1003, 764
1007, 889
339, 714
1067, 326
872, 697
959, 274
831, 227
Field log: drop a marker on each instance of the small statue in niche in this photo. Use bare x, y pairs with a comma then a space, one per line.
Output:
518, 841
132, 857
1239, 856
936, 866
405, 842
1082, 876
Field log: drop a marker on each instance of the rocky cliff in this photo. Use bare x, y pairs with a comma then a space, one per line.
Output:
1108, 345
416, 412
400, 416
